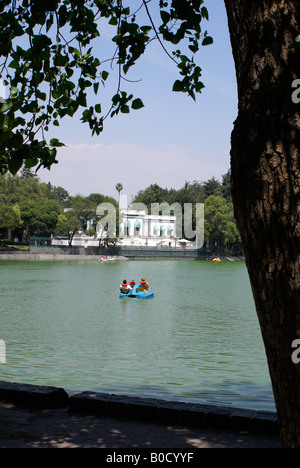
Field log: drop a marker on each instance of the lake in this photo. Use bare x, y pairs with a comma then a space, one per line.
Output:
196, 340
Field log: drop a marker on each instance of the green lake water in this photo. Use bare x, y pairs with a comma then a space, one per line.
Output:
196, 340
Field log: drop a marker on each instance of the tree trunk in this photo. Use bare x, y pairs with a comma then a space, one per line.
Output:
265, 160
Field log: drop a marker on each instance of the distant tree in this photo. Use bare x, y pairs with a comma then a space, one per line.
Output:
226, 186
220, 231
96, 198
191, 192
10, 219
67, 225
27, 173
15, 189
80, 211
59, 194
212, 187
119, 188
39, 216
152, 194
197, 192
84, 209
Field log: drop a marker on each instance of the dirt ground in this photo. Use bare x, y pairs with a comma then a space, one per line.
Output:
29, 428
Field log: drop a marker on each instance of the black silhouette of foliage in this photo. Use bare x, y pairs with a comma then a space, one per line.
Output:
50, 69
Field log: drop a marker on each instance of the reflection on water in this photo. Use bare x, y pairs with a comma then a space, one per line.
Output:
197, 340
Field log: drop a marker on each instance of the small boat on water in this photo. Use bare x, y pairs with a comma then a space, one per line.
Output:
137, 292
107, 259
216, 259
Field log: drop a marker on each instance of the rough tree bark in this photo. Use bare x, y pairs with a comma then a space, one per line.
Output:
265, 160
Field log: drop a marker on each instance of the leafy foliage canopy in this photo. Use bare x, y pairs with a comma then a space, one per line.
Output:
52, 67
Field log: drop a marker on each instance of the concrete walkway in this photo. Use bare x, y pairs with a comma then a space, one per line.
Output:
47, 417
59, 428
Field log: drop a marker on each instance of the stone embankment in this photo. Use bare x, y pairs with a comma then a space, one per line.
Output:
51, 254
55, 253
147, 409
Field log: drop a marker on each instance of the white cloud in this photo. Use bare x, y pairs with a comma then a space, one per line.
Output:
87, 168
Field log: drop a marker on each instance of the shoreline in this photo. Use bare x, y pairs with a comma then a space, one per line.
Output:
35, 256
158, 410
65, 257
35, 416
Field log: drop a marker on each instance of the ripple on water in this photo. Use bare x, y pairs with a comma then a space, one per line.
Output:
198, 339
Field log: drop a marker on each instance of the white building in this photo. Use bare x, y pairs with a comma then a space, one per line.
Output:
138, 228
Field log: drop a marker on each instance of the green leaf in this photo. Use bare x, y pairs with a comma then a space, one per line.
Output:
31, 162
5, 106
208, 40
165, 16
125, 109
199, 86
56, 142
41, 95
14, 91
194, 48
15, 163
126, 68
96, 87
5, 123
296, 43
113, 21
56, 94
146, 29
204, 13
76, 52
178, 86
137, 104
104, 75
14, 64
49, 23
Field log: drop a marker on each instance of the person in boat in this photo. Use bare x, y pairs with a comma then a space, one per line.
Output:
125, 287
132, 284
143, 285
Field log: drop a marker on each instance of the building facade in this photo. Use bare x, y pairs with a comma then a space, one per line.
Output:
138, 228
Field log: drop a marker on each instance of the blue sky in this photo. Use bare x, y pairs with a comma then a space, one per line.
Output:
170, 141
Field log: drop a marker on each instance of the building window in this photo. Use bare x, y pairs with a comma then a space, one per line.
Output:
137, 227
162, 231
126, 228
170, 231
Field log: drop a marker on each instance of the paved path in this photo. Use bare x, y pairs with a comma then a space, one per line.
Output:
22, 427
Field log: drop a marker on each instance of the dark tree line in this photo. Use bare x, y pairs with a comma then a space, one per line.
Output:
30, 208
220, 231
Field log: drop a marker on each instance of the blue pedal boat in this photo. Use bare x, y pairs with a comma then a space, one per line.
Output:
137, 293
